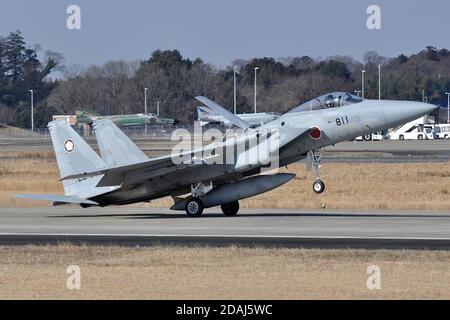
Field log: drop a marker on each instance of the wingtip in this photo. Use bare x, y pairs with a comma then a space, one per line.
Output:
200, 98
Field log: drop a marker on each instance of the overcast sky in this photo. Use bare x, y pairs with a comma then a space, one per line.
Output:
220, 31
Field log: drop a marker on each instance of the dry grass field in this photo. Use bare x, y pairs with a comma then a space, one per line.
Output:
405, 186
39, 272
166, 272
27, 154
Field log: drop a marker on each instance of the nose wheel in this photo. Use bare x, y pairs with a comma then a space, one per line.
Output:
314, 158
318, 186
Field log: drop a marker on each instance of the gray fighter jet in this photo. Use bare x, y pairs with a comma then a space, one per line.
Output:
206, 115
225, 171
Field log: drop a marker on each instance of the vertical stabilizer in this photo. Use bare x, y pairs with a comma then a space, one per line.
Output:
115, 147
74, 156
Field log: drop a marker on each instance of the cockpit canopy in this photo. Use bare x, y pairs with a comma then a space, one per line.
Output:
328, 101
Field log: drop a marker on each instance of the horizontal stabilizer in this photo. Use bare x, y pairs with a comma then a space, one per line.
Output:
56, 198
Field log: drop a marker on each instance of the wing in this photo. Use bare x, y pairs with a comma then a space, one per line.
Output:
153, 164
145, 170
218, 109
56, 198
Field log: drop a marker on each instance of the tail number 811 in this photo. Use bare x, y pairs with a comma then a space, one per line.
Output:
342, 121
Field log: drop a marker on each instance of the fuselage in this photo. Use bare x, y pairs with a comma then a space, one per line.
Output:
330, 126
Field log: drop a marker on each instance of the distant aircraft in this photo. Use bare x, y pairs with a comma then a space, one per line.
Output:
207, 115
85, 117
124, 174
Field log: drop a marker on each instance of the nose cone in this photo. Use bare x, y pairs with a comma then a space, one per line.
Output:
397, 112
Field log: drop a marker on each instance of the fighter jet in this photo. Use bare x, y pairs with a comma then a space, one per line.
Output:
123, 174
137, 119
207, 115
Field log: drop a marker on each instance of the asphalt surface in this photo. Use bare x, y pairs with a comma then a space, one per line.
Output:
262, 227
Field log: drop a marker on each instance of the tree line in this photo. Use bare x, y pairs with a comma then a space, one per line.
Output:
117, 87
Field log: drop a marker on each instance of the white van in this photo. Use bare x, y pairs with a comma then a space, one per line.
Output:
442, 131
377, 136
417, 132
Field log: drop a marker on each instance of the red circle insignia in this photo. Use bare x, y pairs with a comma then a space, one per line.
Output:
316, 133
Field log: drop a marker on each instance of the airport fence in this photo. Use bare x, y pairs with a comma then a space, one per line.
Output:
155, 132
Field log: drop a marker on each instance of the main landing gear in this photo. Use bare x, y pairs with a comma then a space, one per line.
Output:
314, 159
230, 209
194, 206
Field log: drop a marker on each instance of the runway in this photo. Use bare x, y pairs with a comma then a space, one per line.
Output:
265, 227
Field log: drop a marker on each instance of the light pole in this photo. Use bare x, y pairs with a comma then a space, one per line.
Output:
157, 108
362, 83
448, 107
256, 69
379, 82
145, 108
145, 100
32, 110
235, 97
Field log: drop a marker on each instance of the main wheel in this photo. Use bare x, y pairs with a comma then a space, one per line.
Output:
230, 209
194, 207
318, 186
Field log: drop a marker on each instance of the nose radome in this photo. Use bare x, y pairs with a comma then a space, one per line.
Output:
425, 108
405, 111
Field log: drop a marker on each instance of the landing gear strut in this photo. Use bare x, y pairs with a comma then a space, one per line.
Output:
194, 206
314, 159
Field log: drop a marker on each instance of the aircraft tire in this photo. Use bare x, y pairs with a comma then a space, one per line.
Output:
230, 209
318, 186
194, 207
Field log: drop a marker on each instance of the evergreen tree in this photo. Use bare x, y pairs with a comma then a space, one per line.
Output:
14, 55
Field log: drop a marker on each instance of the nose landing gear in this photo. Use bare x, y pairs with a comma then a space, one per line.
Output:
313, 159
318, 186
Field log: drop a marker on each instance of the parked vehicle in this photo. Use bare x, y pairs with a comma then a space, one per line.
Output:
417, 132
414, 130
377, 136
442, 131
